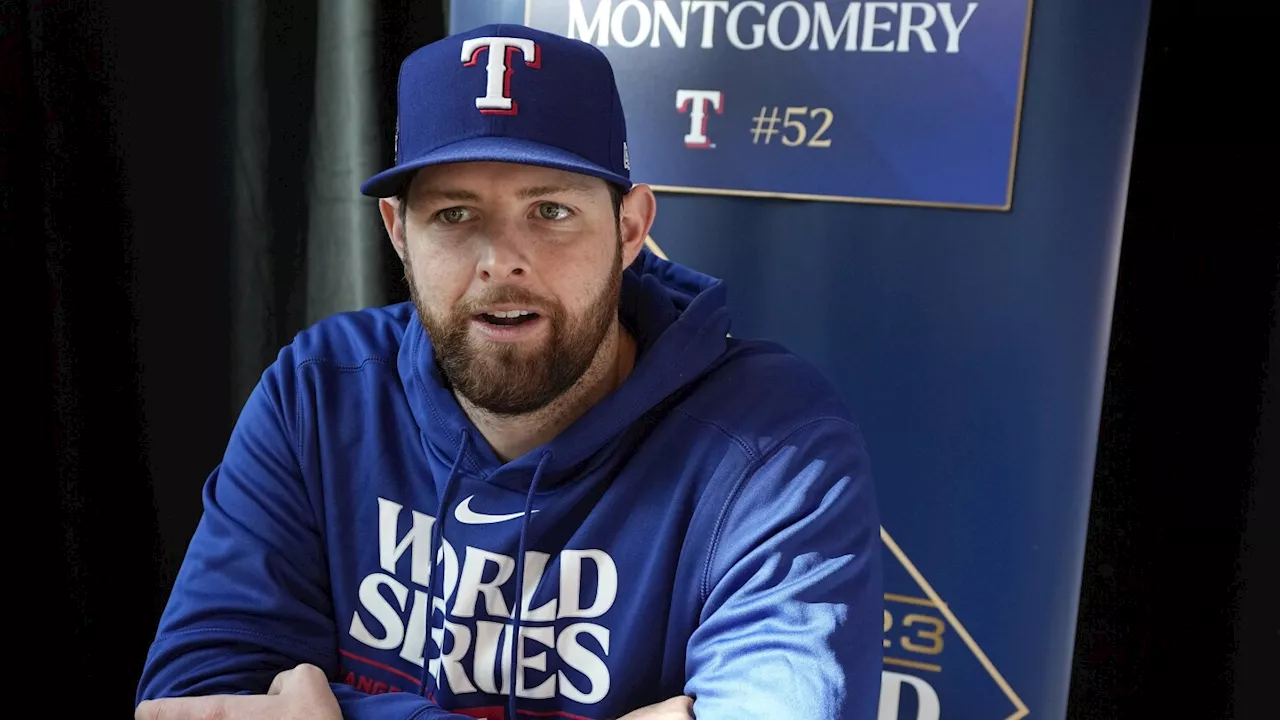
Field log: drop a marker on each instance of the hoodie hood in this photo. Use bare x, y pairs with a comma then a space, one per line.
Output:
680, 322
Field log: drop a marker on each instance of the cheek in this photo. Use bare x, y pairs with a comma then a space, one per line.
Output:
439, 280
577, 280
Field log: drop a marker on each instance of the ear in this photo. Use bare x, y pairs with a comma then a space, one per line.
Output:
639, 207
390, 208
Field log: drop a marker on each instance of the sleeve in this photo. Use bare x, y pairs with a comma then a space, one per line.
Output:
252, 598
792, 624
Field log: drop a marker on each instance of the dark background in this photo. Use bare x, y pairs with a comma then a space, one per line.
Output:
115, 176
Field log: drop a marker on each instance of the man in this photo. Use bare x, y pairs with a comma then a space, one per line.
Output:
549, 486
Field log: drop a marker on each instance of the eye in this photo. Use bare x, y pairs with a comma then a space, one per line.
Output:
454, 215
553, 211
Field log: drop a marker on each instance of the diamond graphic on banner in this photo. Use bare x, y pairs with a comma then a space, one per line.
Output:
929, 656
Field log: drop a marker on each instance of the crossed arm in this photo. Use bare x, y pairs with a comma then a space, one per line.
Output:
303, 693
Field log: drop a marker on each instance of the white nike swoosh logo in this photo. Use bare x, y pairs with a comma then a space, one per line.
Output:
466, 515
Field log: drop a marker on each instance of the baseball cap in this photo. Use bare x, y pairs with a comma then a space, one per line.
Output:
507, 93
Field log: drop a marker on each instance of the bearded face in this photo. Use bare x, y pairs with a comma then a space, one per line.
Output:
509, 350
516, 273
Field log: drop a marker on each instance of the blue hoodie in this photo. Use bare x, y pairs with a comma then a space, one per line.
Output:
709, 528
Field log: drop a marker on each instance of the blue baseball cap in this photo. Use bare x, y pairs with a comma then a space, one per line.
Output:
507, 93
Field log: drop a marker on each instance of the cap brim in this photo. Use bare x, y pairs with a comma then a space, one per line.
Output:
391, 181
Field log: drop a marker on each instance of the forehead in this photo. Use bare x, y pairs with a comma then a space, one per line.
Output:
498, 179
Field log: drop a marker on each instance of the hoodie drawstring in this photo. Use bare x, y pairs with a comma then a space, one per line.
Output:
433, 548
519, 610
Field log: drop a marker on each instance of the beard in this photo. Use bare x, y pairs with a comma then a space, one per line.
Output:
509, 378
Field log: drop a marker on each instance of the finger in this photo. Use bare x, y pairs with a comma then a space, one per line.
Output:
303, 678
682, 704
310, 677
279, 682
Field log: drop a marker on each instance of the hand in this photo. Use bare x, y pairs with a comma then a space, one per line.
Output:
677, 708
302, 693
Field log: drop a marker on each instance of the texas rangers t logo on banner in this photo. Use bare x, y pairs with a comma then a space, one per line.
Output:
497, 96
695, 102
905, 103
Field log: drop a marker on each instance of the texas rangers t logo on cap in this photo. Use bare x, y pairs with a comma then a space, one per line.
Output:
445, 112
497, 97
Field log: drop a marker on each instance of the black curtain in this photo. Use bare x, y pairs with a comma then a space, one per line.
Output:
1180, 609
169, 232
162, 221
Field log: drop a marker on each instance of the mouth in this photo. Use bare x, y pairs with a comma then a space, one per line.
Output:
508, 325
507, 318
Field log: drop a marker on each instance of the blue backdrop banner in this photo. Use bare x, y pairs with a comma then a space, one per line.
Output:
896, 102
971, 345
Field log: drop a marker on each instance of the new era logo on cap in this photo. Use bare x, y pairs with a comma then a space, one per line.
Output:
507, 93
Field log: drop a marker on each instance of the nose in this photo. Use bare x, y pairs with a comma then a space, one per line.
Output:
501, 256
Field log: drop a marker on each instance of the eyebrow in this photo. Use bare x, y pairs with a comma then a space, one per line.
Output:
449, 194
526, 193
543, 190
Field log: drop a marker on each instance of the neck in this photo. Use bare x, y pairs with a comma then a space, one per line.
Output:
511, 436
